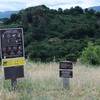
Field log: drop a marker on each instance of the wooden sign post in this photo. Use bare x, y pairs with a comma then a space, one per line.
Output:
12, 53
65, 72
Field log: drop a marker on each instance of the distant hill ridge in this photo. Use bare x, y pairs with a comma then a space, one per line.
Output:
96, 8
7, 14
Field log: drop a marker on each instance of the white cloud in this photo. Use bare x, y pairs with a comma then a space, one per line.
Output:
63, 3
19, 4
7, 5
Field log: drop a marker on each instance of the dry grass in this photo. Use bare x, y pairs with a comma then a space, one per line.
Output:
42, 82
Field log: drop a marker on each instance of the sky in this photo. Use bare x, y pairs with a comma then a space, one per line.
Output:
14, 5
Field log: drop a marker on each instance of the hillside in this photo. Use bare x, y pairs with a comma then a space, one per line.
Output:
56, 34
6, 14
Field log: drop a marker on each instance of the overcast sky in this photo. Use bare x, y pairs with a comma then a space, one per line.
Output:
13, 5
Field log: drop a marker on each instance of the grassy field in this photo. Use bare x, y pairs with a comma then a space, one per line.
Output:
42, 82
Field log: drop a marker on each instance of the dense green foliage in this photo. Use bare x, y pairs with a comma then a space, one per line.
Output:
56, 34
91, 55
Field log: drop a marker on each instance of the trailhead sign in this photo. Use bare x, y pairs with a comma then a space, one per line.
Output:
12, 52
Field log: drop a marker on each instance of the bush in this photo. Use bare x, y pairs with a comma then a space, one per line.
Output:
91, 55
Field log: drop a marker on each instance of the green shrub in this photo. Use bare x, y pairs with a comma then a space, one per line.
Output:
91, 55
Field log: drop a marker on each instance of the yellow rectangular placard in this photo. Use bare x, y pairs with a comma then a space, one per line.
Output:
13, 62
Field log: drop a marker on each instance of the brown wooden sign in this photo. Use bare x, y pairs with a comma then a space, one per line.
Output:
65, 69
66, 73
66, 65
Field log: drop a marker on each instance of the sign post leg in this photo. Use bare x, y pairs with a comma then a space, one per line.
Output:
66, 83
13, 83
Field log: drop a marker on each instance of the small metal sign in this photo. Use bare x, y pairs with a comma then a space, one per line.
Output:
14, 72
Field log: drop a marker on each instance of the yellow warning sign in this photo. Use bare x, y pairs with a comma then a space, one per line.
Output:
13, 62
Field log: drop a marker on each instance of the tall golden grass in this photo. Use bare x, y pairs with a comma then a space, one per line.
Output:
42, 82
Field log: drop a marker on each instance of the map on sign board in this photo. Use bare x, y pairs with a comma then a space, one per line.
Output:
12, 49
